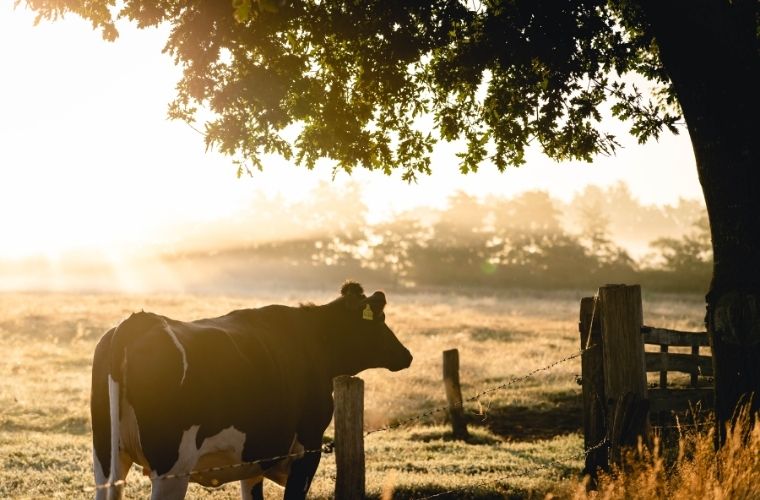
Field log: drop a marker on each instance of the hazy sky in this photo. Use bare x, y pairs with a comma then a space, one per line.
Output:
88, 159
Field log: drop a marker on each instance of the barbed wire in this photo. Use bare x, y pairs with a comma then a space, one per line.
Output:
328, 448
525, 470
476, 397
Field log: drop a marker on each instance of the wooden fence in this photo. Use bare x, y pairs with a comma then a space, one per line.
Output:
349, 434
349, 425
667, 399
617, 400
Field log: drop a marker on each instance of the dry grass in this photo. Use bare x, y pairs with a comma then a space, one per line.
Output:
526, 438
697, 471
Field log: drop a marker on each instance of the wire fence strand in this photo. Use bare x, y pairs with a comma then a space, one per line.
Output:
477, 396
200, 472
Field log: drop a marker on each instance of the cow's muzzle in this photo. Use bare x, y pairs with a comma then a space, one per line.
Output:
402, 362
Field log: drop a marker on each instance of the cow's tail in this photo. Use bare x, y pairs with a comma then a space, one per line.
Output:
127, 332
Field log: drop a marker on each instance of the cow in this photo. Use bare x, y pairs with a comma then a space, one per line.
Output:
241, 397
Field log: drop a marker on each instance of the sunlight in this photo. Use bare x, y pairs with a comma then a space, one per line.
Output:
90, 161
90, 158
127, 279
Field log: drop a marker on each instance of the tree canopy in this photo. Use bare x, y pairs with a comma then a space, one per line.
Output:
359, 82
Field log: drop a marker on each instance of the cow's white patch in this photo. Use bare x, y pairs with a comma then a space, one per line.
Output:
219, 459
101, 476
113, 406
181, 351
115, 474
222, 449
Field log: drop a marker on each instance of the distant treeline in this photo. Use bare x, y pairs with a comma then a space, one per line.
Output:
530, 241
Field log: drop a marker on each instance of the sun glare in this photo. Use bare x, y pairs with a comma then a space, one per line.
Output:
90, 162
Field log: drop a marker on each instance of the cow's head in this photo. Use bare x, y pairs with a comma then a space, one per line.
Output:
365, 340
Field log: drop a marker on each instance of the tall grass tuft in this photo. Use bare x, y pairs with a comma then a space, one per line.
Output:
695, 470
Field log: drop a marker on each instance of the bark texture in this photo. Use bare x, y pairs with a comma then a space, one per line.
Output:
709, 49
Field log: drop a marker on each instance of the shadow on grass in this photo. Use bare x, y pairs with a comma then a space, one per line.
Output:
480, 334
69, 425
475, 438
561, 414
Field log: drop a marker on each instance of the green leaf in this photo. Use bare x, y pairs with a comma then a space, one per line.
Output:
242, 9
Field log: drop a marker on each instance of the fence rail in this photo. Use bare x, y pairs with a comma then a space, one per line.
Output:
664, 336
677, 362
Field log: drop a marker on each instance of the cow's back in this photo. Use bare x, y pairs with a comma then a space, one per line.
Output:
206, 377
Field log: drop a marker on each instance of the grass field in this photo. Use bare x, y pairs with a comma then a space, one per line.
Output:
525, 440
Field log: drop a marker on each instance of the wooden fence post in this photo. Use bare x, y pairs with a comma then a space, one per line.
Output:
349, 438
592, 380
454, 393
624, 371
694, 378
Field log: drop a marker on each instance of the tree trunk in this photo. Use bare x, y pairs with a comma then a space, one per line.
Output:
709, 49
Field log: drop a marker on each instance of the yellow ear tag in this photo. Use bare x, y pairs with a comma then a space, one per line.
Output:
367, 313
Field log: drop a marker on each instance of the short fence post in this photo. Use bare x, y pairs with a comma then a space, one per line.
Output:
349, 437
592, 381
624, 371
694, 379
454, 393
663, 366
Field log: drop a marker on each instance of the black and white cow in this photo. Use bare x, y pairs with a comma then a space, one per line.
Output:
181, 398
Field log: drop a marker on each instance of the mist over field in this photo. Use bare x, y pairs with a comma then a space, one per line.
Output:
529, 241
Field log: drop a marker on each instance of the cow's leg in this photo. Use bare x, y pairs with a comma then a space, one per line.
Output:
106, 490
169, 489
252, 489
101, 478
301, 473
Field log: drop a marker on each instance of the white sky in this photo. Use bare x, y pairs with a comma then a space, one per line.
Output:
88, 159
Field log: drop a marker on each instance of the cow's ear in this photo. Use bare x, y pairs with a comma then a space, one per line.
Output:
377, 300
372, 306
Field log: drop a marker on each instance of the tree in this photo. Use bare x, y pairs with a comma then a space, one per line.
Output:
689, 255
531, 211
358, 79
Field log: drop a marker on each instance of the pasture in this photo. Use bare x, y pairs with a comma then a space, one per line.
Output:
525, 440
